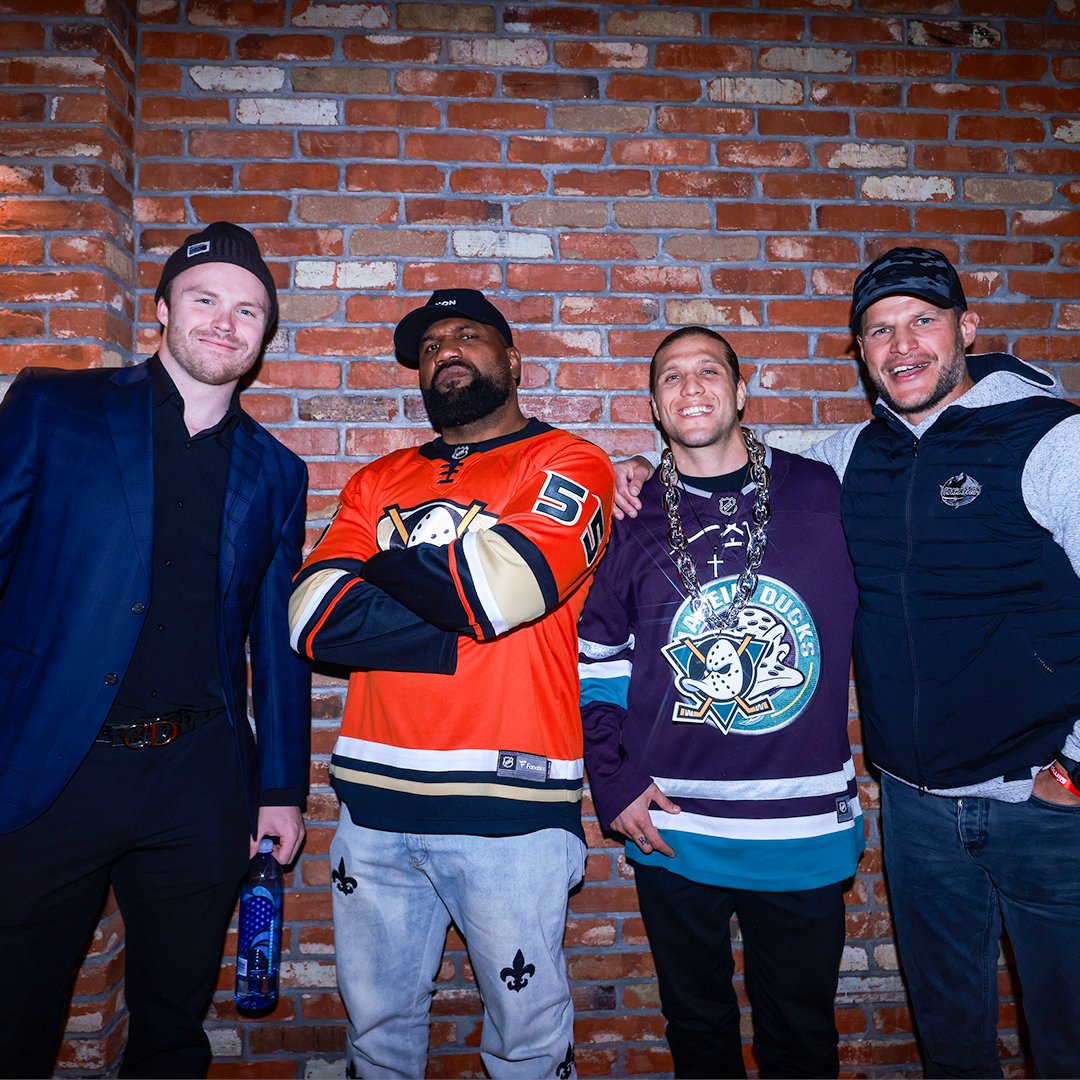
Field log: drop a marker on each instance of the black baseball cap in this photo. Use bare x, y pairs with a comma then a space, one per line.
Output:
221, 242
445, 304
907, 271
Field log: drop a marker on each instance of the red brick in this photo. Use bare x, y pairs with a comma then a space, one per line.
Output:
1042, 99
746, 26
363, 114
751, 282
14, 358
1051, 162
864, 218
23, 36
284, 175
809, 377
899, 126
813, 186
1046, 223
555, 278
183, 111
393, 178
451, 211
660, 152
603, 376
496, 116
709, 183
442, 147
901, 62
1041, 284
395, 50
766, 218
240, 208
719, 120
544, 149
554, 19
180, 176
954, 97
550, 87
22, 108
768, 155
856, 94
977, 159
21, 324
622, 182
803, 122
808, 312
176, 44
497, 181
1009, 253
652, 88
1000, 130
445, 84
601, 55
854, 29
424, 277
21, 180
950, 221
655, 279
607, 246
284, 47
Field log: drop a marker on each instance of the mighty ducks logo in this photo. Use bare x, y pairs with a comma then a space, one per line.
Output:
439, 522
753, 678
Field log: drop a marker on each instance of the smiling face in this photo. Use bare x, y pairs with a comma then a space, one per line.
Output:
915, 354
467, 372
696, 401
215, 317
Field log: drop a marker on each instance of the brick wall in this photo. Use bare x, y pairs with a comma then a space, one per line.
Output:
609, 171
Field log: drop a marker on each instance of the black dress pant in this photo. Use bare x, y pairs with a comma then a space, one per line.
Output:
792, 946
167, 828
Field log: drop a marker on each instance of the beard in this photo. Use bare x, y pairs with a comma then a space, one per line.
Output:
950, 376
201, 364
461, 405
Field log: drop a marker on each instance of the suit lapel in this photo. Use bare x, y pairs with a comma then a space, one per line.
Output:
245, 464
127, 406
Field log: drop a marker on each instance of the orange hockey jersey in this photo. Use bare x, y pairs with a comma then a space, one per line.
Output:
485, 551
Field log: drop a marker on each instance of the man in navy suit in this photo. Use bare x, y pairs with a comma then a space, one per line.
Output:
149, 531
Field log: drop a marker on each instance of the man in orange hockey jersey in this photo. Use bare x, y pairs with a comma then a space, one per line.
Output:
451, 580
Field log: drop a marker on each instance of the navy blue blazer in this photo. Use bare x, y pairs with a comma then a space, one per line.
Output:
76, 541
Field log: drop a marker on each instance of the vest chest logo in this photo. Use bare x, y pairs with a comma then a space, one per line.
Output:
960, 490
754, 678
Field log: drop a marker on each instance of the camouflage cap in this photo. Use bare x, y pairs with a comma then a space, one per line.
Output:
907, 271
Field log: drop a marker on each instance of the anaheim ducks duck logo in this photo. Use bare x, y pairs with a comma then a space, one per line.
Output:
757, 676
439, 522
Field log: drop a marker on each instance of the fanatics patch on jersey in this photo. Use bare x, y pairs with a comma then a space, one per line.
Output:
439, 522
521, 766
960, 490
754, 678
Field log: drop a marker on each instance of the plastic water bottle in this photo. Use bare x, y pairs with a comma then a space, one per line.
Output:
258, 949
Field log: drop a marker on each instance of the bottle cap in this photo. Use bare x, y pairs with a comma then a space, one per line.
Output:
266, 845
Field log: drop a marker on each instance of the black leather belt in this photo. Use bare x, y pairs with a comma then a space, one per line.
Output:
155, 730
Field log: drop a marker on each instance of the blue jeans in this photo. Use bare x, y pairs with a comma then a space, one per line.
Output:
957, 869
395, 895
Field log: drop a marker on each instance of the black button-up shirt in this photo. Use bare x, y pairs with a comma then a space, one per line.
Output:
175, 664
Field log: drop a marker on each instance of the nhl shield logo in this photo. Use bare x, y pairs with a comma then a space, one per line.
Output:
753, 678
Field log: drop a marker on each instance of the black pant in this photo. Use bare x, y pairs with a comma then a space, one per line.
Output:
792, 945
167, 828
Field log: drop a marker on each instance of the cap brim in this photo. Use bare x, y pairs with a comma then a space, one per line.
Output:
930, 297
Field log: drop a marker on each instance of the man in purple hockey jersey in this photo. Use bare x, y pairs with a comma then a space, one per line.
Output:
715, 655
